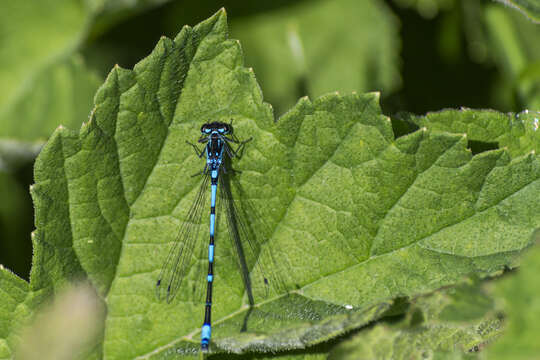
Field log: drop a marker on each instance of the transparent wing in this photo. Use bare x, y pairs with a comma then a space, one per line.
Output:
180, 256
249, 234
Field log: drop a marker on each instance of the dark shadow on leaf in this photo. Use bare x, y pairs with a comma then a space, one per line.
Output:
402, 124
397, 311
478, 147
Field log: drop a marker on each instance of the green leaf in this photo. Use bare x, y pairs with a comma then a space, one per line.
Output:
26, 27
520, 293
515, 46
517, 133
356, 218
321, 46
529, 8
43, 83
45, 86
13, 292
446, 324
60, 94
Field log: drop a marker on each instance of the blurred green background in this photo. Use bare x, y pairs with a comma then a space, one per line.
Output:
422, 55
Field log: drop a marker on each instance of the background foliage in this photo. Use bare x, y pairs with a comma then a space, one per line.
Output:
423, 55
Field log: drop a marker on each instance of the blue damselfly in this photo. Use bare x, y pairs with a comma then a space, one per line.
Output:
217, 137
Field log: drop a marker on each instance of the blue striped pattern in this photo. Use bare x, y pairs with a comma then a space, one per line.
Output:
205, 334
212, 222
211, 253
214, 190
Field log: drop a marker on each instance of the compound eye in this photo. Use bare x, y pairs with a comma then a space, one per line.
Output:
205, 129
221, 130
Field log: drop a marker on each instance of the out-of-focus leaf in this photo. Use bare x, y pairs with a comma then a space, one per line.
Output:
106, 13
316, 47
517, 51
44, 82
519, 133
14, 154
34, 34
43, 85
60, 94
112, 6
522, 305
447, 324
529, 8
67, 329
427, 8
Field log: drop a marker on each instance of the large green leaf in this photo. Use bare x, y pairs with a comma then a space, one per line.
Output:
315, 47
530, 8
449, 323
359, 217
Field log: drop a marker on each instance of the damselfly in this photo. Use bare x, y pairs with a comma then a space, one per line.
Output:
217, 137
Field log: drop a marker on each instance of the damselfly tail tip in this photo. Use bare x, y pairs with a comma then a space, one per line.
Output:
169, 297
158, 288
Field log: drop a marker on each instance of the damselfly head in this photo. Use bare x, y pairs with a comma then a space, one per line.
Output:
216, 128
